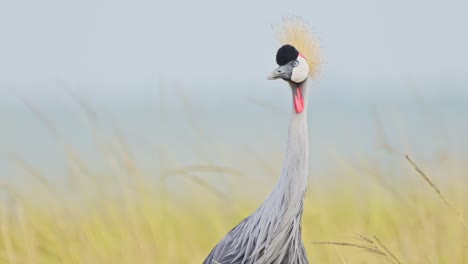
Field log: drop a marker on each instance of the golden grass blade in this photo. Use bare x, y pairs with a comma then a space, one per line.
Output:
438, 192
374, 246
48, 124
339, 253
389, 253
359, 246
35, 173
206, 169
6, 237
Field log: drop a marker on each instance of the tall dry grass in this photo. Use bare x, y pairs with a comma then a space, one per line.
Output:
119, 213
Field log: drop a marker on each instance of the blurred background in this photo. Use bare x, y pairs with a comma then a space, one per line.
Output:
147, 129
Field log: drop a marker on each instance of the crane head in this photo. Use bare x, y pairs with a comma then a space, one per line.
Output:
298, 58
292, 65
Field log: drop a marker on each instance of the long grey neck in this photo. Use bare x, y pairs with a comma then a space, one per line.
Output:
288, 194
276, 225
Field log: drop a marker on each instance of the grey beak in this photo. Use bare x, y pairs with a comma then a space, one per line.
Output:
275, 74
283, 72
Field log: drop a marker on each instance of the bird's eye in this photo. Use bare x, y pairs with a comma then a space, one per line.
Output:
295, 63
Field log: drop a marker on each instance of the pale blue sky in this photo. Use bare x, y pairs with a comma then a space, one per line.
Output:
104, 47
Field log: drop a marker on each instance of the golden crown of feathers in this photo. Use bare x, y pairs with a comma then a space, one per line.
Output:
295, 31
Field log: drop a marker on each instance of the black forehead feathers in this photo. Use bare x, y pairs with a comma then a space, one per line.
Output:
286, 54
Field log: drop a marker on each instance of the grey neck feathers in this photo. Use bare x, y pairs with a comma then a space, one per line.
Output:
290, 190
283, 207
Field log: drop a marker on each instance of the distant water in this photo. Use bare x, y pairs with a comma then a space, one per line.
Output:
194, 128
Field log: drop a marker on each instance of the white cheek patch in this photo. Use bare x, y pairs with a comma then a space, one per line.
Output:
301, 71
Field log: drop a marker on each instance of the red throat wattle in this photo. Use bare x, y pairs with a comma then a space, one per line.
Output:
298, 100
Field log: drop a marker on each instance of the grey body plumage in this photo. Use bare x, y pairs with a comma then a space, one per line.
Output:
272, 234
